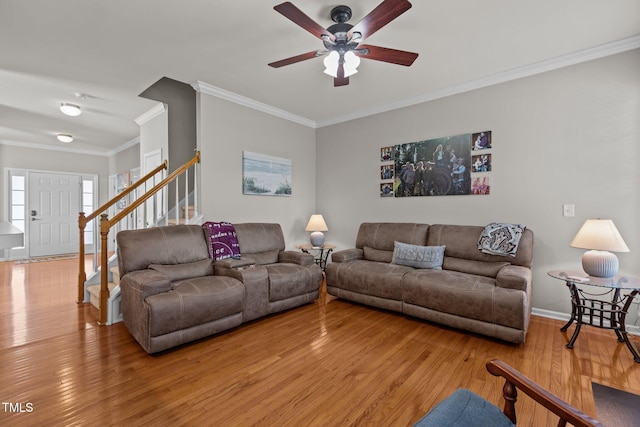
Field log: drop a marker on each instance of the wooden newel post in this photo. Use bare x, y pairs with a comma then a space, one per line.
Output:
104, 268
82, 275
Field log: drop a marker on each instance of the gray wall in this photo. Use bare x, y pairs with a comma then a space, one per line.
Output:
565, 136
226, 130
125, 160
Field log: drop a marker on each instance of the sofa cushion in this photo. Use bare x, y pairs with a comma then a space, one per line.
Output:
481, 268
263, 258
378, 255
137, 249
418, 256
465, 295
221, 240
184, 271
290, 280
382, 280
259, 237
194, 302
381, 235
462, 242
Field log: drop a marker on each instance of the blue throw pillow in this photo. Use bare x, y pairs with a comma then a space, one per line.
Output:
418, 256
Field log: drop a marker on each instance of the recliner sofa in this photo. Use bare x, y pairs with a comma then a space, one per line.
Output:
170, 294
474, 291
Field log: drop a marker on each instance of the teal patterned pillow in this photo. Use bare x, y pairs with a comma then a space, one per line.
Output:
418, 256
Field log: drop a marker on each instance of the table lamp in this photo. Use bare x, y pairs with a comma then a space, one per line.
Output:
599, 236
317, 225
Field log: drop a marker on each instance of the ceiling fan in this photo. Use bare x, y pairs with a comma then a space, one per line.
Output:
342, 41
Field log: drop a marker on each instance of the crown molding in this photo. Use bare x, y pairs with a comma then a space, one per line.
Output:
52, 148
203, 87
152, 113
574, 58
66, 149
133, 142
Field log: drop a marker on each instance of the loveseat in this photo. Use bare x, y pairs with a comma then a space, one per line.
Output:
471, 290
173, 292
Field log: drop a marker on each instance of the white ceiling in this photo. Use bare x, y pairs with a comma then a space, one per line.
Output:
113, 50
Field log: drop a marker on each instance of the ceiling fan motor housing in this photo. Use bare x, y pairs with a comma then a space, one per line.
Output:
340, 15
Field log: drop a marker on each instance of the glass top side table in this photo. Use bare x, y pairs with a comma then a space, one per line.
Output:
601, 313
323, 252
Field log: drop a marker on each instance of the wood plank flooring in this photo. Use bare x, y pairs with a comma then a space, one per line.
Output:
330, 363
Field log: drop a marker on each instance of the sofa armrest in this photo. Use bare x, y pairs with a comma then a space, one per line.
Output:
136, 286
256, 288
146, 282
347, 255
242, 262
514, 277
295, 257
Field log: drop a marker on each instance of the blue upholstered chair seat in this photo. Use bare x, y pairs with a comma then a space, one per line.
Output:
464, 408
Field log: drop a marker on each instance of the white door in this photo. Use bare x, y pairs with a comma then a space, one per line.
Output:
54, 203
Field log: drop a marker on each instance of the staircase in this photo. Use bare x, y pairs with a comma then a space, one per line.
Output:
114, 296
101, 288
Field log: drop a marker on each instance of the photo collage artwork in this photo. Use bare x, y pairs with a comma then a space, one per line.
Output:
453, 165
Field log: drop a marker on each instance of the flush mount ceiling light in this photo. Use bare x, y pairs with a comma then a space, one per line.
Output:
63, 137
70, 109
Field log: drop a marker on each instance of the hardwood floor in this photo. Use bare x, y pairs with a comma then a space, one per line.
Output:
330, 363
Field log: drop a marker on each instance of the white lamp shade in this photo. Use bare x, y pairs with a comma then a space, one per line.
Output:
316, 223
601, 235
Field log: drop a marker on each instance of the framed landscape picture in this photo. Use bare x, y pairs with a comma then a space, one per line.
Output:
265, 175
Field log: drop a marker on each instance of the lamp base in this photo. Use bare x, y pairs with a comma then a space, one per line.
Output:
600, 263
317, 238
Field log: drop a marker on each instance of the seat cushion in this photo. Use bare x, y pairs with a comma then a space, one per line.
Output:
464, 408
193, 302
289, 280
378, 279
466, 295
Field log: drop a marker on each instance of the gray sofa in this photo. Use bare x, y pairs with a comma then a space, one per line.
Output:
173, 293
474, 291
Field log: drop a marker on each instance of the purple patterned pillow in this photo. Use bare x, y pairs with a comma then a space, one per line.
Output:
222, 240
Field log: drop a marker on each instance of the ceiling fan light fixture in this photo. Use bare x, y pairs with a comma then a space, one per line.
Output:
332, 61
63, 137
70, 109
351, 63
331, 64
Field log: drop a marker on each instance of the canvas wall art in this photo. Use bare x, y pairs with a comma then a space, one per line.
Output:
265, 175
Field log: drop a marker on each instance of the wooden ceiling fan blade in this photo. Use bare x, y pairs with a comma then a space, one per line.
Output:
384, 13
340, 79
297, 58
385, 54
290, 11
